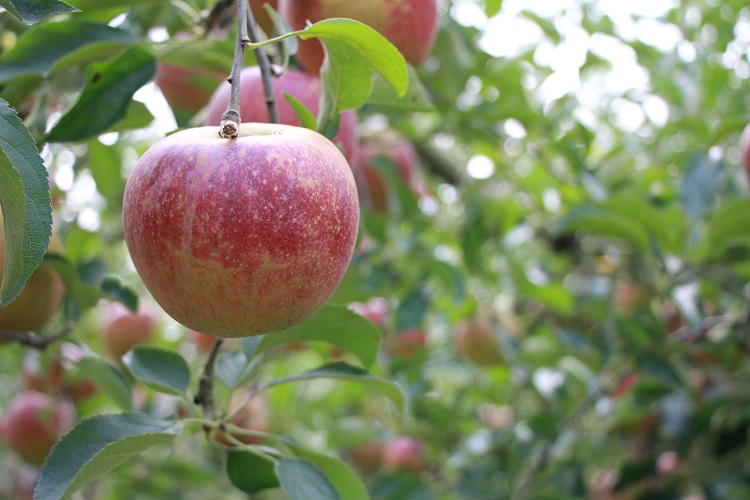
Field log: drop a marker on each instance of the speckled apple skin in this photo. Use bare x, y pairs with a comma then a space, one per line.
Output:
241, 237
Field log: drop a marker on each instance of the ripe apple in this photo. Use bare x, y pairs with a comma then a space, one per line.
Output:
476, 342
410, 25
241, 237
39, 299
254, 416
124, 329
202, 341
406, 344
394, 148
34, 423
186, 89
262, 18
304, 87
404, 453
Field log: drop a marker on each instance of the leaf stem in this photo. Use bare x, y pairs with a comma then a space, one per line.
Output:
205, 395
230, 121
265, 69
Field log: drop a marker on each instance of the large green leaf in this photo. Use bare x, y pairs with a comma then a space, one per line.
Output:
25, 203
105, 99
603, 222
250, 472
344, 479
160, 369
108, 380
335, 324
345, 371
96, 446
33, 11
415, 99
44, 46
302, 480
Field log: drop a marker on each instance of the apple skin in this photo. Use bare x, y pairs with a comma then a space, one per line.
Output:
406, 344
304, 87
255, 416
40, 298
124, 329
186, 89
34, 423
404, 453
241, 237
398, 151
410, 25
262, 18
476, 342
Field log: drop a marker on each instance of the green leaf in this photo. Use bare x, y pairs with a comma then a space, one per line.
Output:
33, 11
96, 446
113, 289
105, 99
108, 4
699, 185
492, 7
602, 222
232, 368
302, 480
137, 116
107, 379
40, 48
249, 472
345, 371
344, 479
250, 345
160, 369
335, 324
416, 97
25, 203
306, 117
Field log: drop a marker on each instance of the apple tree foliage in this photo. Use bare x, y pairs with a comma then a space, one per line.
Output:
600, 228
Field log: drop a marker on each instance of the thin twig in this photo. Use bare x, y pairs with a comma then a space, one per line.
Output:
265, 69
205, 395
40, 342
230, 121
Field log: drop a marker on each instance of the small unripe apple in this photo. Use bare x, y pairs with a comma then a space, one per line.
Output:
261, 16
186, 89
34, 423
123, 329
406, 344
394, 148
410, 25
404, 453
304, 87
476, 342
254, 416
240, 237
41, 296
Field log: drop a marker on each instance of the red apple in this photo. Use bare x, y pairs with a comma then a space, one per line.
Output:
405, 454
376, 310
42, 377
261, 16
202, 341
254, 416
476, 342
410, 25
187, 89
245, 236
34, 423
406, 344
306, 88
394, 148
124, 329
41, 296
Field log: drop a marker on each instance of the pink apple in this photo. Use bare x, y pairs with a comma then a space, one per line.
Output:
124, 329
245, 236
376, 310
187, 89
406, 344
304, 87
410, 25
404, 453
396, 149
34, 423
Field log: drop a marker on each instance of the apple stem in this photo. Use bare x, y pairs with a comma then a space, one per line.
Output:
205, 395
40, 342
230, 121
265, 69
